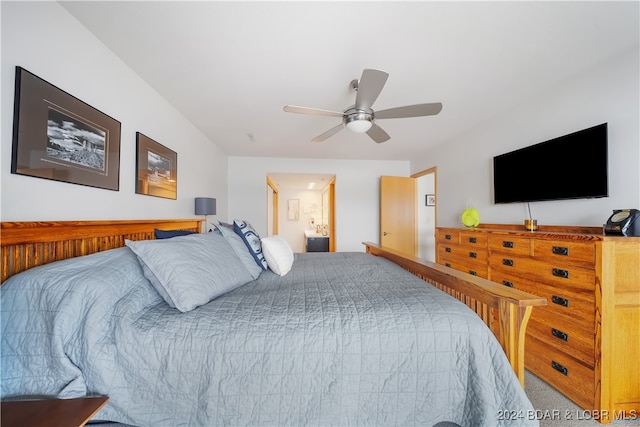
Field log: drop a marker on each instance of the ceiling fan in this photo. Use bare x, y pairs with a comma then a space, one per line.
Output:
360, 117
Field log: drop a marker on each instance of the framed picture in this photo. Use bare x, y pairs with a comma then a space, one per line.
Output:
430, 200
293, 209
56, 136
157, 168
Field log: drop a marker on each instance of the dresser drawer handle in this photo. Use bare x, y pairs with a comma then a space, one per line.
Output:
473, 255
447, 264
560, 301
560, 273
507, 283
447, 236
559, 334
447, 249
560, 250
473, 273
506, 244
558, 367
473, 240
507, 262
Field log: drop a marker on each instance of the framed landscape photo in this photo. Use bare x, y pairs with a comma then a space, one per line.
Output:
157, 168
57, 136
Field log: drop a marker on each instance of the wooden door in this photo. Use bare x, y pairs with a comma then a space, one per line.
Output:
398, 214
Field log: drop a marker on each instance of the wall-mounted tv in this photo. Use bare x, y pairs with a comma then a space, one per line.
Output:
572, 166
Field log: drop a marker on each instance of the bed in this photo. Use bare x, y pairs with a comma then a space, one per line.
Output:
339, 339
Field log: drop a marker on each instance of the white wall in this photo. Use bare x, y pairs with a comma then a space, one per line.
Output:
44, 39
607, 93
357, 192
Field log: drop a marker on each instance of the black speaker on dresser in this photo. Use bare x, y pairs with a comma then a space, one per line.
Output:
623, 222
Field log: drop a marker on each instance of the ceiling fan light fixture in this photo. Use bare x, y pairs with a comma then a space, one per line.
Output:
358, 121
359, 126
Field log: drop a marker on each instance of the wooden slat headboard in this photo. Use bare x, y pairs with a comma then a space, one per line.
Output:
28, 244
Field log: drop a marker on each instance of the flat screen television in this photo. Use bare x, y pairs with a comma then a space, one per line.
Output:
572, 166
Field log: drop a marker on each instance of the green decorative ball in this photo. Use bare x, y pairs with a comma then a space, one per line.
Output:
471, 217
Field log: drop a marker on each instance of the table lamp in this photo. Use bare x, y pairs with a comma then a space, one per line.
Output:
205, 206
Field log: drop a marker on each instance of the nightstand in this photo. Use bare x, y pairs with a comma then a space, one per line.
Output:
50, 412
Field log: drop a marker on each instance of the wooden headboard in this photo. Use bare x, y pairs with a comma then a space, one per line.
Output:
29, 244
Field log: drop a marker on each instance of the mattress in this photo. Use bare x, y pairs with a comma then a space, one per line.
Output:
343, 339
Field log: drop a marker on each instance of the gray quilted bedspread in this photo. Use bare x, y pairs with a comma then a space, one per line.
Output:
344, 339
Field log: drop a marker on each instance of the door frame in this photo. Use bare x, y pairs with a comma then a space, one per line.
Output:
432, 170
274, 204
332, 214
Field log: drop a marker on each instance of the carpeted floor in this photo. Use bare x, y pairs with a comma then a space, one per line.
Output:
555, 410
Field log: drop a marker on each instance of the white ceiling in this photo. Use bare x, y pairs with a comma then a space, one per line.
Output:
301, 181
231, 66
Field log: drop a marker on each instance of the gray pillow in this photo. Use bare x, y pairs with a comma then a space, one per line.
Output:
189, 271
225, 224
241, 250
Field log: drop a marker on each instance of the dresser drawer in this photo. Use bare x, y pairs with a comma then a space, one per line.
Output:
510, 244
474, 255
447, 235
472, 268
471, 254
446, 257
566, 337
563, 252
566, 374
572, 305
557, 275
473, 239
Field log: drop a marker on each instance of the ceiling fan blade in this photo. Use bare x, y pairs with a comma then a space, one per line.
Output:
312, 111
378, 134
369, 87
328, 133
417, 110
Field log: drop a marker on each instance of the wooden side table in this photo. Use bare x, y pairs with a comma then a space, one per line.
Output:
50, 412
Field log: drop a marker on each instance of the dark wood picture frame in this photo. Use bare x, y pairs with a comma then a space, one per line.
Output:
156, 168
430, 200
56, 136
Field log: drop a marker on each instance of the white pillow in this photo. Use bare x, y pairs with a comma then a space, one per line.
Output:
278, 254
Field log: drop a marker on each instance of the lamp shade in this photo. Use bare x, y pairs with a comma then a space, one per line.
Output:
205, 206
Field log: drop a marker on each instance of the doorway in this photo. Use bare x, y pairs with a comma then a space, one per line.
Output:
299, 204
426, 213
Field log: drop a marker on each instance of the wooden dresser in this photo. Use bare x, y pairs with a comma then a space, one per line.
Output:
586, 341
